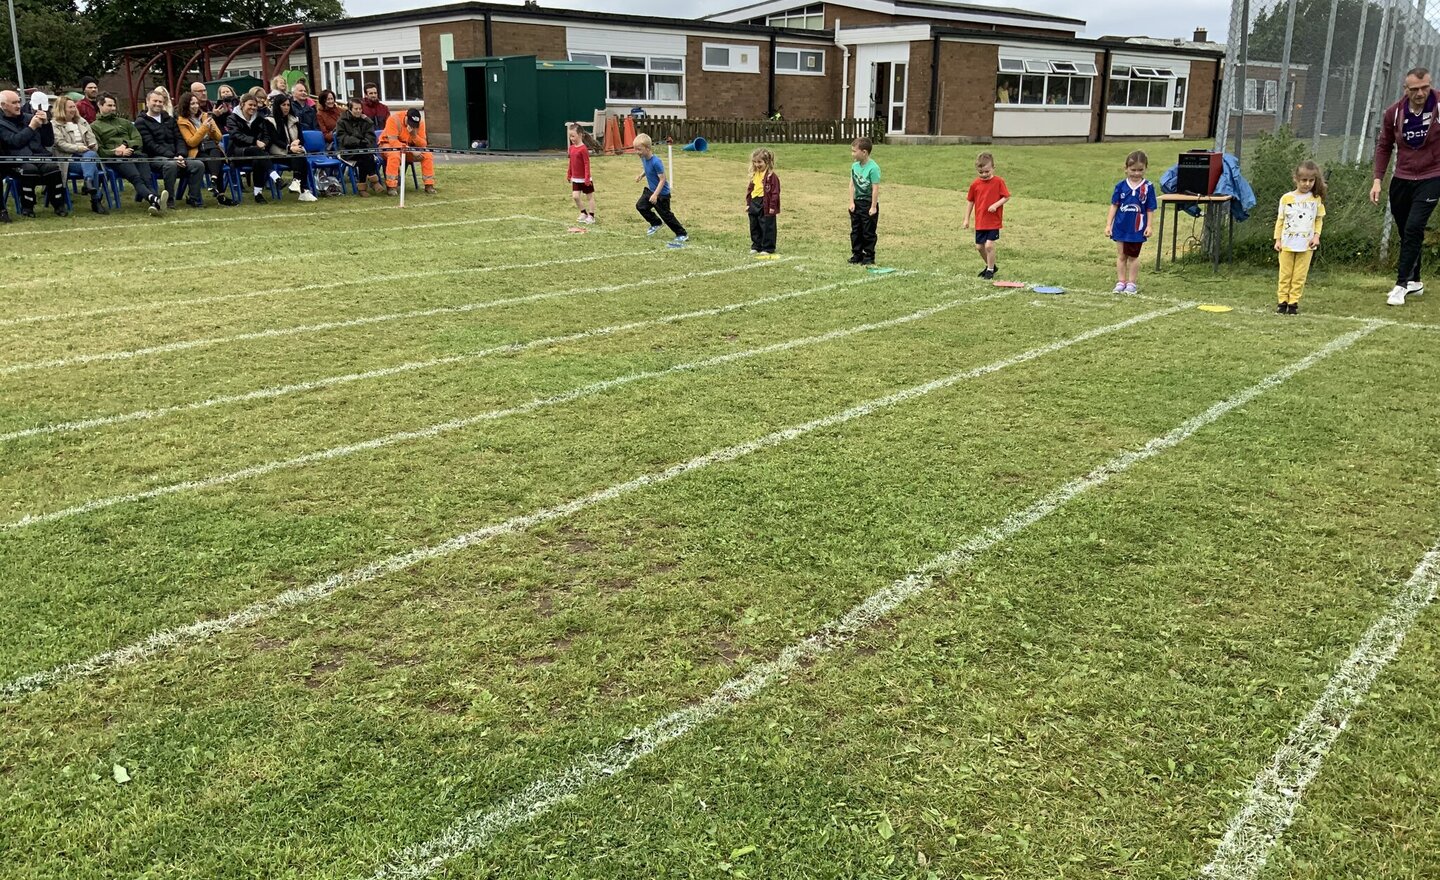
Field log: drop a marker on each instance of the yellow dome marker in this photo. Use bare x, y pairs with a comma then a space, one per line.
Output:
1213, 308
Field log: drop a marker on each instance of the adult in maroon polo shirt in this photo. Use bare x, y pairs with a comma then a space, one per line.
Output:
1409, 129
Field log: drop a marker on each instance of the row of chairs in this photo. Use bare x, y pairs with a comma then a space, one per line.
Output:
316, 158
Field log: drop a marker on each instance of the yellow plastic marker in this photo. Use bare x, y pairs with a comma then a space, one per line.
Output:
1213, 308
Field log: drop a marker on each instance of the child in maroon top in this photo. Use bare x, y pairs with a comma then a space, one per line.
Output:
581, 186
762, 202
986, 199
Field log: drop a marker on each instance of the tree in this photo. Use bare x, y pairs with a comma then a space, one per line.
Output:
128, 23
57, 43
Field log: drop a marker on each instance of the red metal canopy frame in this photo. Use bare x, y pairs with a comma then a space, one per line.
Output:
176, 59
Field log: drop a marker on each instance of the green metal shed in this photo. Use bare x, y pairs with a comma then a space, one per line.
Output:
497, 100
241, 85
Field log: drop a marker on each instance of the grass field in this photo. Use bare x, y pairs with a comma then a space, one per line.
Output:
346, 541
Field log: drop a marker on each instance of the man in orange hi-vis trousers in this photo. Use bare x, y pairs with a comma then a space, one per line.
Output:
405, 130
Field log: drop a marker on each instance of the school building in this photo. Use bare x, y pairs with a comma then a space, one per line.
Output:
928, 69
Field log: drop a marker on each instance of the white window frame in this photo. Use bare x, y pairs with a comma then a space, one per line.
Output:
808, 18
372, 69
799, 54
1047, 71
1146, 74
741, 58
669, 66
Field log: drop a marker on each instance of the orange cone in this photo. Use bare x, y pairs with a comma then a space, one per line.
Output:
612, 136
629, 141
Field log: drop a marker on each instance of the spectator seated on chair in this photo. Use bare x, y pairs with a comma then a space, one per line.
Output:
287, 147
355, 141
202, 136
303, 107
74, 140
250, 136
197, 88
222, 108
379, 114
327, 116
405, 136
117, 138
160, 140
169, 105
278, 87
26, 133
89, 104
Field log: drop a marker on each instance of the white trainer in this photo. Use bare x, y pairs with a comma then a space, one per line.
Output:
1119, 287
1414, 288
308, 196
1396, 297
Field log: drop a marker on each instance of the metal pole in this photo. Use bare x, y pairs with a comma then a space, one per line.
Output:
1324, 79
1355, 80
1282, 109
1244, 70
15, 42
1227, 83
1374, 79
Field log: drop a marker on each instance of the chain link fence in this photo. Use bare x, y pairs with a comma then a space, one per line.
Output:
1318, 73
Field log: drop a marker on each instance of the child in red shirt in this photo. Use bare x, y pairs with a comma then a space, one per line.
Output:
988, 195
581, 185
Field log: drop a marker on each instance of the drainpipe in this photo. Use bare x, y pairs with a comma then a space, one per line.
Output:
1104, 96
1215, 100
489, 36
771, 111
935, 84
844, 71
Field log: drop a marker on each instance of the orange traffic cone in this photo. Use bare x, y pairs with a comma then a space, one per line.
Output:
612, 136
629, 141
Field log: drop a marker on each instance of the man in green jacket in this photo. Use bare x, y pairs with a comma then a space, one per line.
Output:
118, 138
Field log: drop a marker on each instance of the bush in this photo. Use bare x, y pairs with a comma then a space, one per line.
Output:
1352, 225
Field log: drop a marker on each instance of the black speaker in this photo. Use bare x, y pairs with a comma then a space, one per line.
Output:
1197, 172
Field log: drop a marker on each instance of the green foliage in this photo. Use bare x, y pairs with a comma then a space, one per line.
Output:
57, 42
1352, 224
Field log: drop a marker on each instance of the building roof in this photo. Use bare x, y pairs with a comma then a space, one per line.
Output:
936, 10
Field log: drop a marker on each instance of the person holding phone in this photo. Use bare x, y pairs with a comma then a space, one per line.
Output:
26, 134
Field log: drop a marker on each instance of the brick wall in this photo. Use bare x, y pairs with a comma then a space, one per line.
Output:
469, 43
967, 70
811, 97
542, 40
719, 95
1199, 99
917, 93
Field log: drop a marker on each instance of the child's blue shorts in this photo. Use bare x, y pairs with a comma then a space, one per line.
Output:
984, 235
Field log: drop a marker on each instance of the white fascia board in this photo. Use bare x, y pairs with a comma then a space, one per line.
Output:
895, 33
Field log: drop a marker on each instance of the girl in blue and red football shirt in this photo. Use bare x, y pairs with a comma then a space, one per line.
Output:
1128, 225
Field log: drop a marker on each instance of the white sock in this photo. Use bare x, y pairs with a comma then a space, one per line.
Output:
257, 190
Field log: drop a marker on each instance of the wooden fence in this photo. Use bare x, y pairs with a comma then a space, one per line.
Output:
760, 131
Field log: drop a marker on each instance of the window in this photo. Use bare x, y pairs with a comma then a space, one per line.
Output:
1141, 87
636, 78
801, 61
1272, 95
731, 58
398, 77
717, 58
804, 17
1034, 82
1261, 95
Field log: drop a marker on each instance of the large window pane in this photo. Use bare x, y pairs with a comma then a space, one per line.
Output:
1057, 90
1032, 89
1080, 91
414, 88
392, 85
627, 86
665, 87
1158, 88
1119, 92
1179, 93
787, 60
716, 56
1007, 88
353, 84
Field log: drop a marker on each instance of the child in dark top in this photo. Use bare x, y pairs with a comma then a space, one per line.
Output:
986, 199
581, 185
762, 202
654, 203
1131, 205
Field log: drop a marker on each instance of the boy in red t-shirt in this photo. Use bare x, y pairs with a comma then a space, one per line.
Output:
986, 199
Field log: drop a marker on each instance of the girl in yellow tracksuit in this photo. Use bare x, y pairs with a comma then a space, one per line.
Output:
1297, 233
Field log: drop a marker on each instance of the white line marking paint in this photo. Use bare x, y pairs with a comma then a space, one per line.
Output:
479, 828
379, 233
277, 332
326, 382
433, 430
163, 640
305, 288
257, 218
1269, 807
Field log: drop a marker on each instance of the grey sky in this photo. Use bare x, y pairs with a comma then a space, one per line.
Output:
1175, 18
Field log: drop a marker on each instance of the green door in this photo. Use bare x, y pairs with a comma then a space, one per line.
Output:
495, 97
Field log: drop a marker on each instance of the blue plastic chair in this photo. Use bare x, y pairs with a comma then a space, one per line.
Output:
12, 193
236, 170
316, 156
109, 183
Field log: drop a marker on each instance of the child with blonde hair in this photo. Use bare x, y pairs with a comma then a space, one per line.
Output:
986, 201
762, 202
1297, 233
654, 202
